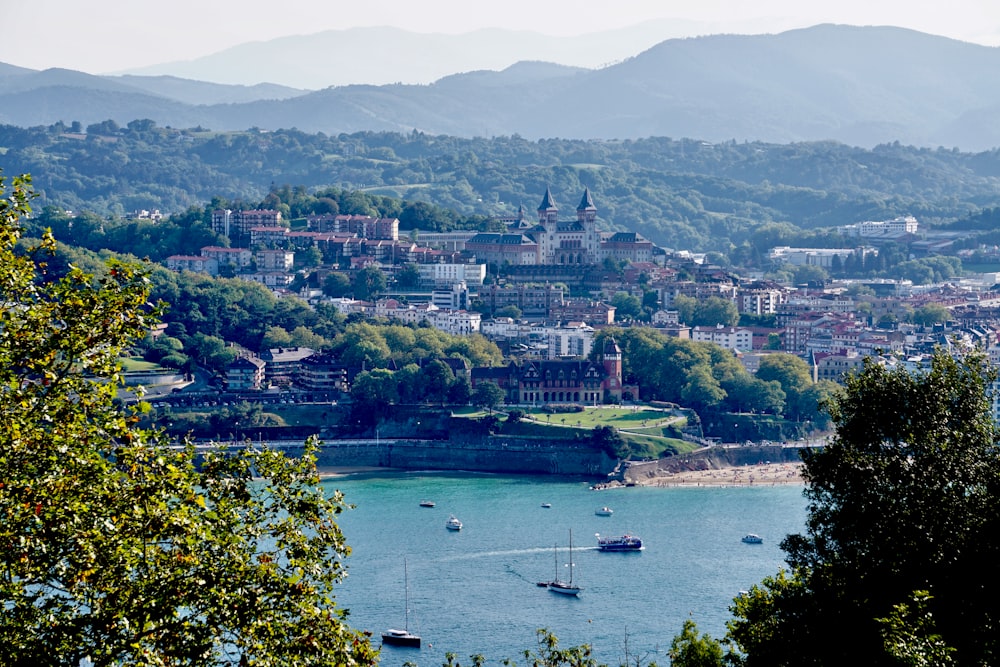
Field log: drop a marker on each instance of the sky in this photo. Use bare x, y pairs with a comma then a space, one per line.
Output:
105, 36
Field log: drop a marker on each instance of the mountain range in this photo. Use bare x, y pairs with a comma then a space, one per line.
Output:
857, 85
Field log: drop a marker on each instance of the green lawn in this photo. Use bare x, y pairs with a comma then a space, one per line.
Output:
137, 365
621, 418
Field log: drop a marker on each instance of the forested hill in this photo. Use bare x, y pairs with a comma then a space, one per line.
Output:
858, 85
683, 194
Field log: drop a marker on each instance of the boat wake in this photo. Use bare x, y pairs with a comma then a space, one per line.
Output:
505, 552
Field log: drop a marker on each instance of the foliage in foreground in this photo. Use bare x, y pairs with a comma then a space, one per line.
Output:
115, 546
902, 531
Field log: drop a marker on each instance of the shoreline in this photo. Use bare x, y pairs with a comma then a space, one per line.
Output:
761, 474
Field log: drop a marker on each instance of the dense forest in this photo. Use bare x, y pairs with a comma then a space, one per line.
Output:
679, 193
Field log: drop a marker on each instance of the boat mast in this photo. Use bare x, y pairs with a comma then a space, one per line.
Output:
570, 556
406, 598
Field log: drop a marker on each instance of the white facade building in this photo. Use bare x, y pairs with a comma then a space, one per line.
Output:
731, 338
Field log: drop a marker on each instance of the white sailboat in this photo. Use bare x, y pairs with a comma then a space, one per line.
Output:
403, 637
557, 585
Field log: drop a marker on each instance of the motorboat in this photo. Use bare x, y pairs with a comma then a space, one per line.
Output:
604, 511
427, 503
626, 542
453, 523
404, 637
753, 538
547, 505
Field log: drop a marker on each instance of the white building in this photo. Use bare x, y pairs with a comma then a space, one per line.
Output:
442, 275
904, 224
731, 338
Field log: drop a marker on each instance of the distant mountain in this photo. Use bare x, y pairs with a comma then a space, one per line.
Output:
385, 55
860, 86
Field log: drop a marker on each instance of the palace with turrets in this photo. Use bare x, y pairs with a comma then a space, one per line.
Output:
554, 242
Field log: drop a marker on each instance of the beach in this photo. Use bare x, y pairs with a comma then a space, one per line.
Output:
764, 474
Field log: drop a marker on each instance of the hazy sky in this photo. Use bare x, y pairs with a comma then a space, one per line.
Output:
111, 35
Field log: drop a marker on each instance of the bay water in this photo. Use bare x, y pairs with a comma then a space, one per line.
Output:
474, 591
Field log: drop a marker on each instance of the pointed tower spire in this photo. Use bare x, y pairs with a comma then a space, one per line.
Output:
586, 212
547, 210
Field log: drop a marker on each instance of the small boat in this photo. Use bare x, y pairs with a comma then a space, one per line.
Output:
557, 585
427, 503
453, 523
753, 538
624, 542
604, 511
404, 637
546, 505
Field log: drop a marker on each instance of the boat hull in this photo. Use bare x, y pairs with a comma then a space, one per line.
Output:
621, 547
401, 638
623, 543
564, 588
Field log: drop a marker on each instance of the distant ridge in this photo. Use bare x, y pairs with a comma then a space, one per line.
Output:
857, 85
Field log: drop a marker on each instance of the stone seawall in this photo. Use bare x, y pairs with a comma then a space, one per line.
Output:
503, 454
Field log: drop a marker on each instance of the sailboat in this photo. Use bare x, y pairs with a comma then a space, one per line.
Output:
403, 637
557, 585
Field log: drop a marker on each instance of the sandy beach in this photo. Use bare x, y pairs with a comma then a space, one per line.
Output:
769, 474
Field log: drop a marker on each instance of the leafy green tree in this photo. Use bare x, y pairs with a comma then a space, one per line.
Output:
369, 282
715, 310
119, 548
372, 393
488, 395
685, 307
275, 337
460, 391
627, 306
688, 649
930, 314
408, 276
510, 311
904, 506
308, 257
337, 285
435, 379
793, 374
305, 337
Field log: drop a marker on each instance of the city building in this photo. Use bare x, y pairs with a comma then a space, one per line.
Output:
579, 381
245, 373
196, 263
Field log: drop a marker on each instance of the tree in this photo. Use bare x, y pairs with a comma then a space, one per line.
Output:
488, 395
119, 548
435, 378
336, 285
510, 310
688, 649
408, 276
369, 282
627, 307
372, 394
930, 314
715, 310
793, 374
904, 512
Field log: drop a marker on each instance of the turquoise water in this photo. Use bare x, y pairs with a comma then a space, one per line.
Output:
474, 591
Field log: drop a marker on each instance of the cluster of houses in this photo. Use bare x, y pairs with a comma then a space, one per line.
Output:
543, 262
